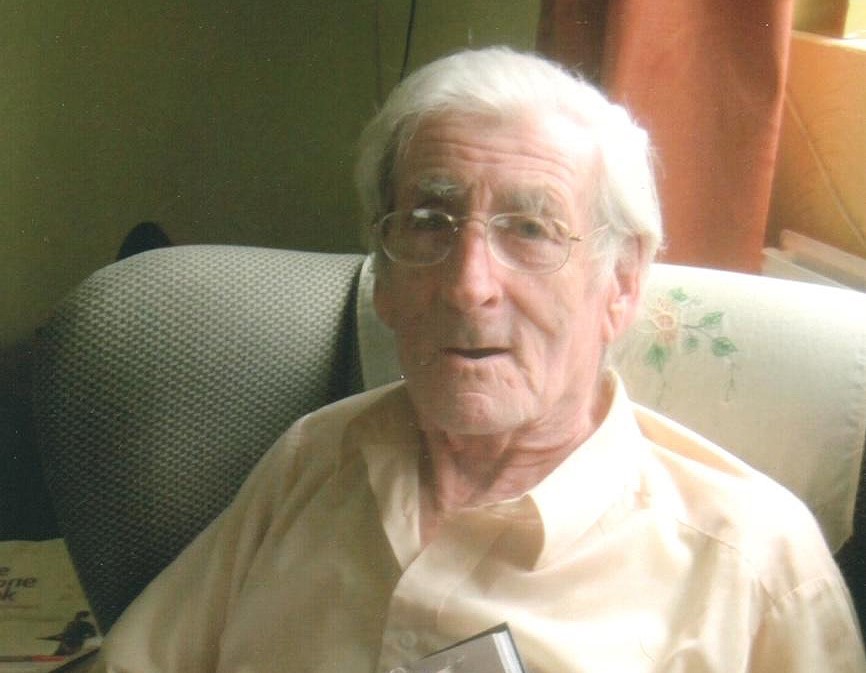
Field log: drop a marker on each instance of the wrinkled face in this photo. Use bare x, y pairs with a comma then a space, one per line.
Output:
485, 349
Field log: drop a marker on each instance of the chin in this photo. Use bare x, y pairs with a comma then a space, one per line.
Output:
476, 415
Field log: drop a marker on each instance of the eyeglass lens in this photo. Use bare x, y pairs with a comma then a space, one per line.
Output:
422, 237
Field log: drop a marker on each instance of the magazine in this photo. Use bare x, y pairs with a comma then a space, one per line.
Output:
45, 620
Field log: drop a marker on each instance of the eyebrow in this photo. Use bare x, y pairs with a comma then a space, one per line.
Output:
525, 200
520, 198
440, 187
534, 200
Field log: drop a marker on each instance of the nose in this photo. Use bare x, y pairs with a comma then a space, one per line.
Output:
470, 274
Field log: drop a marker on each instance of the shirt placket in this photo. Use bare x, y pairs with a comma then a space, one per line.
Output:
412, 628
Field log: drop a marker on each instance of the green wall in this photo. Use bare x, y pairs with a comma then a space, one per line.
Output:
229, 122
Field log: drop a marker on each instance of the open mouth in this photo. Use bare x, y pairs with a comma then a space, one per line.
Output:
474, 353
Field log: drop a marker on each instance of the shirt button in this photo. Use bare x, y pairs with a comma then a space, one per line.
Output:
407, 640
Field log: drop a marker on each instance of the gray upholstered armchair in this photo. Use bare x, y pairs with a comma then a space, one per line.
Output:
162, 379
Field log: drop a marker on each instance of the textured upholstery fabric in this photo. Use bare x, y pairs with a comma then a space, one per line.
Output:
772, 370
160, 382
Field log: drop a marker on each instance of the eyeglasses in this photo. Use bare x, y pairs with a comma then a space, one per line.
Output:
521, 242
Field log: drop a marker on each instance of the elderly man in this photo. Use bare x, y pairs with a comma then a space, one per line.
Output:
508, 478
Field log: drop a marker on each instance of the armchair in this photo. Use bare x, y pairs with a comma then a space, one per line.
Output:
163, 377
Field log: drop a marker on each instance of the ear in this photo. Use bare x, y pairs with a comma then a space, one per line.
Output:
625, 291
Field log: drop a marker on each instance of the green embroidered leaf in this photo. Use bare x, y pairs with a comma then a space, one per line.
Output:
691, 343
678, 295
713, 319
657, 356
723, 346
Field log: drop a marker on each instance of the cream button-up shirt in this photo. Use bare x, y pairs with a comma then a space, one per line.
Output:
648, 549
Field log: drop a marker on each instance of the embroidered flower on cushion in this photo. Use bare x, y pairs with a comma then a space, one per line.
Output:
665, 316
668, 319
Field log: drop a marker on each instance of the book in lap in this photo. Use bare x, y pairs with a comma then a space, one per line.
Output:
492, 651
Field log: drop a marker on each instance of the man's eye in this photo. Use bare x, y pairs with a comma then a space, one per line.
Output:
422, 219
531, 228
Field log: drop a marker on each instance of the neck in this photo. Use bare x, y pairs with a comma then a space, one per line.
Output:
468, 471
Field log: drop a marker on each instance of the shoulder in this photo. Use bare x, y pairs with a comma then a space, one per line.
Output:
367, 409
762, 526
319, 436
315, 448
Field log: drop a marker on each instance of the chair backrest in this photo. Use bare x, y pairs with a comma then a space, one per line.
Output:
162, 379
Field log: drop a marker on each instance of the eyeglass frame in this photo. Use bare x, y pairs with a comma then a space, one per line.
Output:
455, 222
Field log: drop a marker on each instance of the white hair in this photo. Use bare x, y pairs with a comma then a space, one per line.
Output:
501, 83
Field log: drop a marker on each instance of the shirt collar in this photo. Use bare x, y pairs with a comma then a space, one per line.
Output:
593, 478
562, 507
389, 439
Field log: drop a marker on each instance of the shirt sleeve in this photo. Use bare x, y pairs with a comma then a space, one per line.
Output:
175, 624
811, 628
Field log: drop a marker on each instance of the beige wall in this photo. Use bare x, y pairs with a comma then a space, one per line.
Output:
820, 179
229, 122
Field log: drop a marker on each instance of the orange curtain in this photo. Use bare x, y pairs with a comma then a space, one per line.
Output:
706, 79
